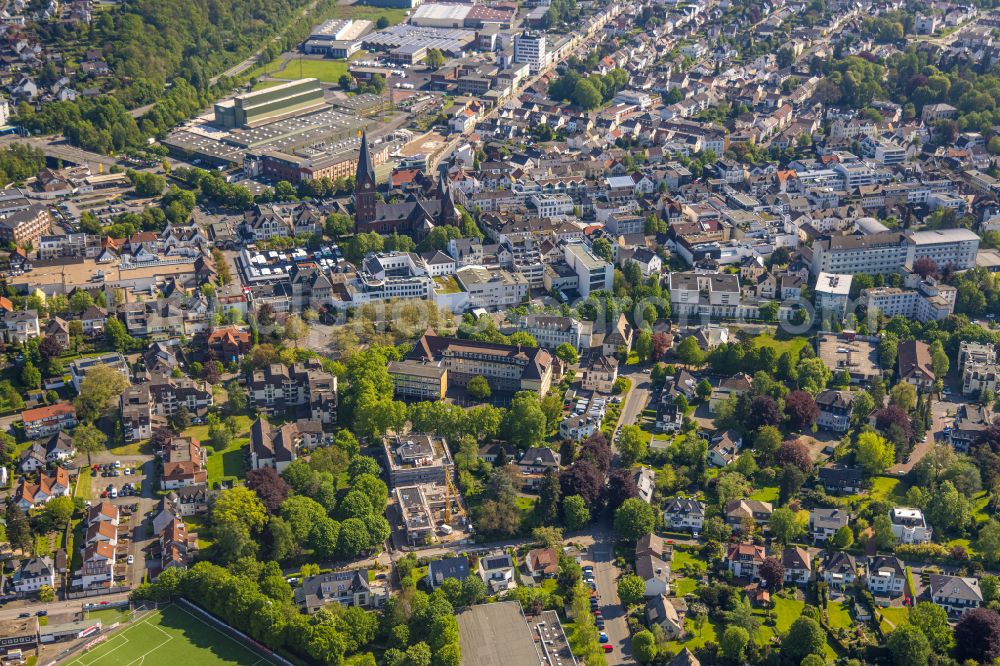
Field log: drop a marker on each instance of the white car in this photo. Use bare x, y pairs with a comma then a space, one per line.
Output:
130, 559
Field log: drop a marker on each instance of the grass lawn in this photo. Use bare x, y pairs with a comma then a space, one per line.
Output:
199, 526
884, 487
140, 448
785, 612
979, 503
684, 586
838, 615
766, 494
109, 615
228, 463
327, 71
83, 488
793, 345
683, 558
897, 615
447, 284
169, 636
694, 639
373, 14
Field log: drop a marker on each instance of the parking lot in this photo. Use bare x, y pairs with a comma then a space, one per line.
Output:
615, 626
117, 480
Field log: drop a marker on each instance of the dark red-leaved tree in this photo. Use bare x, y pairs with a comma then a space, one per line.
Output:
977, 636
621, 486
49, 347
584, 479
925, 266
794, 452
269, 486
763, 410
801, 410
596, 451
772, 572
893, 415
661, 344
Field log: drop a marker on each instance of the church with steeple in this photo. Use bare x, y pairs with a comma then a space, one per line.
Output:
413, 217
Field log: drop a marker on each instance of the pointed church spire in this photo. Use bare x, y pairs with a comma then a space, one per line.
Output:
366, 167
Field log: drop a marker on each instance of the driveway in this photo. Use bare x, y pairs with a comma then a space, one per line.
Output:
943, 412
601, 556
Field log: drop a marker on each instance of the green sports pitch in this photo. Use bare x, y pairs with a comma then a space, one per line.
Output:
170, 636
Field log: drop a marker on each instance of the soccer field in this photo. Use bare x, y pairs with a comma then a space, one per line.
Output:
170, 636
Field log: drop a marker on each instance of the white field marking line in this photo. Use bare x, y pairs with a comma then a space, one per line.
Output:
222, 633
79, 660
121, 635
142, 657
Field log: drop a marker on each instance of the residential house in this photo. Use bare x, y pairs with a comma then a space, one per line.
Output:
725, 449
645, 481
741, 512
840, 479
956, 594
824, 523
683, 514
885, 574
798, 565
177, 545
50, 485
273, 446
654, 572
542, 563
228, 343
50, 419
497, 571
619, 337
660, 610
347, 588
33, 574
305, 386
599, 373
744, 559
909, 525
535, 462
736, 385
449, 567
840, 570
834, 410
183, 464
915, 365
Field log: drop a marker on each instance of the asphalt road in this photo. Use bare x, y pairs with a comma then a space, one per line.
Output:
601, 556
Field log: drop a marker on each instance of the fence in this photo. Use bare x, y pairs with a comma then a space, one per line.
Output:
236, 633
97, 593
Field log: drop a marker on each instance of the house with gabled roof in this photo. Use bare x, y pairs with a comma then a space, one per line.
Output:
885, 574
798, 565
956, 594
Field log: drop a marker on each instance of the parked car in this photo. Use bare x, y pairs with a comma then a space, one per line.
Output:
608, 648
603, 637
130, 559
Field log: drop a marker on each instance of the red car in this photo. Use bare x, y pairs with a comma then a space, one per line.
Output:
597, 613
608, 648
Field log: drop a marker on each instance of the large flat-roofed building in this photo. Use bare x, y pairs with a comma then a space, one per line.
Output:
262, 106
954, 247
497, 633
929, 302
419, 380
857, 355
25, 227
832, 293
78, 369
417, 459
336, 36
63, 276
508, 368
594, 273
880, 253
492, 289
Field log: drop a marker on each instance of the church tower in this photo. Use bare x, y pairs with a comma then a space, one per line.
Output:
449, 215
364, 186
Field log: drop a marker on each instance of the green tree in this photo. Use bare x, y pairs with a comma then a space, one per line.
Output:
567, 353
116, 335
101, 385
88, 439
632, 445
240, 506
525, 424
479, 388
988, 542
634, 519
874, 453
31, 377
785, 527
644, 345
948, 510
904, 396
631, 589
689, 352
704, 389
813, 375
932, 621
734, 643
575, 512
644, 647
908, 646
586, 96
843, 538
805, 637
885, 538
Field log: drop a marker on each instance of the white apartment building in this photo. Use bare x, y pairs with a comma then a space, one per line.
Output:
930, 303
552, 205
594, 273
710, 294
909, 525
880, 253
957, 247
552, 331
832, 293
978, 363
494, 289
885, 575
529, 47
